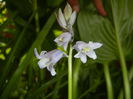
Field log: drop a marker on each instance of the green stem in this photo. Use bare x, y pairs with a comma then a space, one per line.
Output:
121, 54
124, 70
121, 96
108, 81
77, 64
70, 73
36, 16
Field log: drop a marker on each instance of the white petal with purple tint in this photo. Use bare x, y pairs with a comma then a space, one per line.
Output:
49, 59
63, 40
86, 49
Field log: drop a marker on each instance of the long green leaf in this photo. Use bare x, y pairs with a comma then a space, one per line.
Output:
12, 83
15, 50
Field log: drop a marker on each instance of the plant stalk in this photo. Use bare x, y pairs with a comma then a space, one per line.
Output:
77, 64
130, 74
70, 73
124, 70
108, 81
36, 16
121, 54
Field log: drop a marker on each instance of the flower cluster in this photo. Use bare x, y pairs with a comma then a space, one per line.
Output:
66, 20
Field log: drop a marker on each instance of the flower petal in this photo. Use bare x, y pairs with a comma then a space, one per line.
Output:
53, 73
58, 41
56, 56
51, 70
66, 36
94, 45
36, 54
79, 45
78, 55
72, 18
43, 63
63, 40
61, 19
91, 54
42, 54
83, 58
67, 11
65, 46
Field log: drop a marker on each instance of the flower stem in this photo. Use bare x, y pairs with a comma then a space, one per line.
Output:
77, 64
124, 69
108, 81
70, 73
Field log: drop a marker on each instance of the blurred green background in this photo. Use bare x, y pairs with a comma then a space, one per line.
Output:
29, 24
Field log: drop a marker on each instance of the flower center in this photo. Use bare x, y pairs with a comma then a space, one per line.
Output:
85, 50
61, 39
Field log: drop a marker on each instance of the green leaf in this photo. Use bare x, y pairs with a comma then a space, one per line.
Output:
39, 40
96, 28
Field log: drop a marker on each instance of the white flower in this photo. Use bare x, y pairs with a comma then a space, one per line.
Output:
63, 40
84, 49
67, 19
49, 59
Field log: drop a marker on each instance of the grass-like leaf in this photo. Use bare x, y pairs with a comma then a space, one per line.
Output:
39, 40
